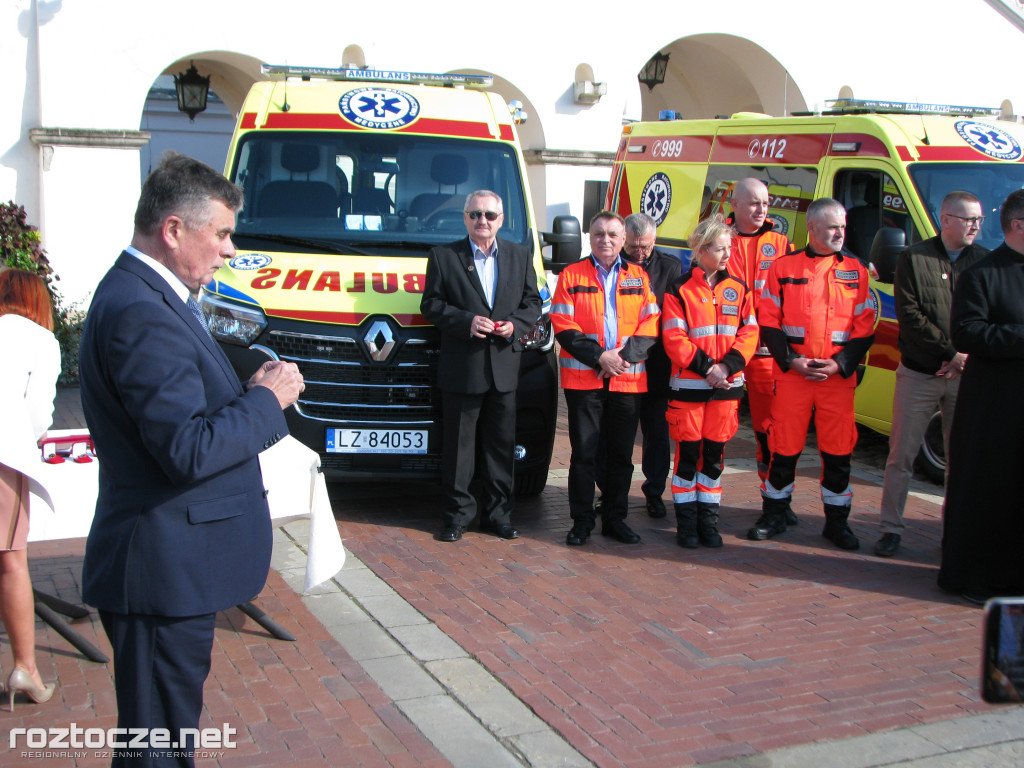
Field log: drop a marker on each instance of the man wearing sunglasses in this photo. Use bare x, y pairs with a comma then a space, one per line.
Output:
928, 376
481, 293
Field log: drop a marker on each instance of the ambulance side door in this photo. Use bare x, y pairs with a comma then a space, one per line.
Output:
875, 198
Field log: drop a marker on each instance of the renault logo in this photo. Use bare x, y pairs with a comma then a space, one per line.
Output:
379, 341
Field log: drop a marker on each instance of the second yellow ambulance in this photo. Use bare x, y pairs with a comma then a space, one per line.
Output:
889, 163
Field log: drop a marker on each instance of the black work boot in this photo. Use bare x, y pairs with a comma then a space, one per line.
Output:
772, 521
686, 525
655, 506
791, 518
836, 529
707, 525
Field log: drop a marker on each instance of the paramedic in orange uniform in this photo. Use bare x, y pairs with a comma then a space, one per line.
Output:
710, 333
755, 247
818, 321
605, 318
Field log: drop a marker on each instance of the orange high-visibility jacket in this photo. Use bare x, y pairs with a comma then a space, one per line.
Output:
817, 306
703, 325
577, 314
752, 255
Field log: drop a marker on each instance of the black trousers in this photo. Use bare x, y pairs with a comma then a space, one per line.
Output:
657, 451
616, 414
160, 665
479, 429
656, 460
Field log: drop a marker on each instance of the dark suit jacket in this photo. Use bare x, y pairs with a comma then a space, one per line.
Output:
182, 526
452, 296
664, 270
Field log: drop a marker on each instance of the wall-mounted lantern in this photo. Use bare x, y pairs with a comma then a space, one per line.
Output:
653, 72
192, 91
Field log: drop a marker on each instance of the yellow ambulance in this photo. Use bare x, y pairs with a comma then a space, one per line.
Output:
889, 163
350, 177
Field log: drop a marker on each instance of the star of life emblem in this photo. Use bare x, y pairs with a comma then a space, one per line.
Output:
657, 197
247, 261
379, 107
986, 138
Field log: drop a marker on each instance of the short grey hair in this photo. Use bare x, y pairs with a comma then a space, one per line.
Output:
482, 193
640, 224
184, 187
819, 206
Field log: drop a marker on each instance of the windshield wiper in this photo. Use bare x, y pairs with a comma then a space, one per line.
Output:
308, 242
409, 245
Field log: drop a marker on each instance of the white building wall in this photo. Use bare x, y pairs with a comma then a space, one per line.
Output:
89, 220
18, 164
97, 61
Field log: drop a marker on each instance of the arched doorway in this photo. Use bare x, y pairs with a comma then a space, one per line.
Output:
716, 74
208, 136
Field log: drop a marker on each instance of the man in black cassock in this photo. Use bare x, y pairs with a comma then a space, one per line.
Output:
983, 519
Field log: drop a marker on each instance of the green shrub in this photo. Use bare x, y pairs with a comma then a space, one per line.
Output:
20, 241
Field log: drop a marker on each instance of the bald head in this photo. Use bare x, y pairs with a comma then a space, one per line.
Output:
749, 205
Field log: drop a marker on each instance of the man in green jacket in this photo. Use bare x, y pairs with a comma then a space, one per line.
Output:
928, 375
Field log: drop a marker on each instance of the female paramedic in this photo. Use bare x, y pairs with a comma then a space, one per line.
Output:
710, 333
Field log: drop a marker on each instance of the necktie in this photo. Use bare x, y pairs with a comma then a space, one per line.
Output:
193, 305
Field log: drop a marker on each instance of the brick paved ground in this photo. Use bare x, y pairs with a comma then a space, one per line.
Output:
652, 655
640, 656
299, 704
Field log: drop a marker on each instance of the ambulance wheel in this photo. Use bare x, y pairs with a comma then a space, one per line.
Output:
531, 483
931, 459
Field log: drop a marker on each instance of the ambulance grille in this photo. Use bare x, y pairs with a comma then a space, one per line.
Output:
342, 385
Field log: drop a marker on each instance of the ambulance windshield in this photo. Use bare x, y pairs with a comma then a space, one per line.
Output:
991, 182
371, 189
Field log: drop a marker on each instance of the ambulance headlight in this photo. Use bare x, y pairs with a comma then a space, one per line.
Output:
231, 322
540, 336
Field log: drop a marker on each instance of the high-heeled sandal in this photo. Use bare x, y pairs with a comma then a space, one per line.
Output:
20, 680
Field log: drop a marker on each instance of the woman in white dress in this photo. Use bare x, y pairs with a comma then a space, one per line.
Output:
31, 364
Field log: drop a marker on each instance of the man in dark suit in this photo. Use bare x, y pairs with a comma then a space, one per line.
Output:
663, 269
481, 293
182, 527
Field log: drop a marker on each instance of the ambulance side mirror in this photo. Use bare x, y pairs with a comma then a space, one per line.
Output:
885, 249
1002, 665
566, 243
